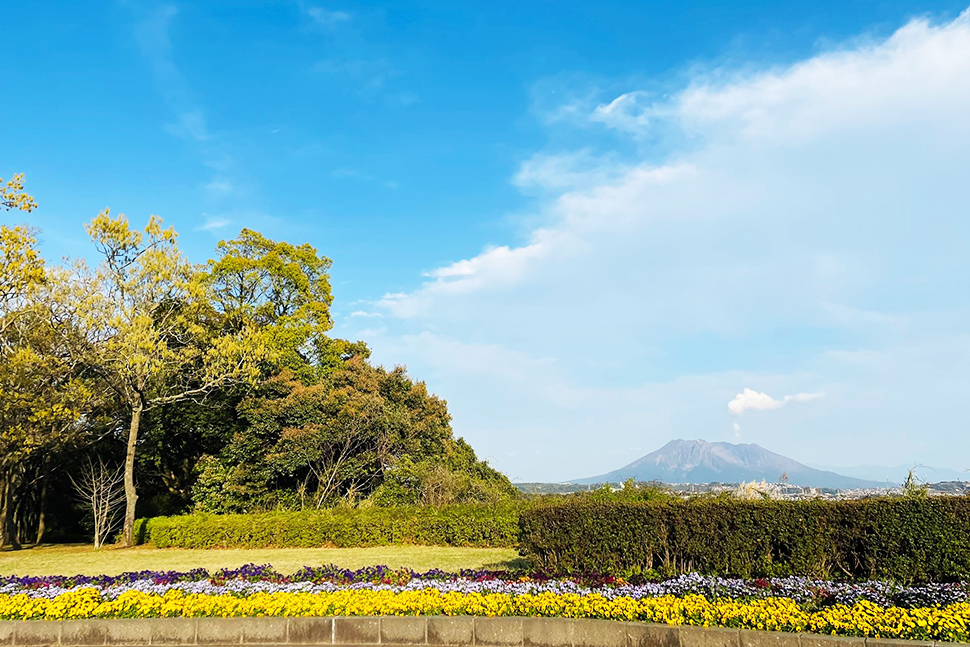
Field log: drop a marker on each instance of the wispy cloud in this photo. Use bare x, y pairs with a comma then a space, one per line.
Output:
357, 63
326, 17
219, 188
213, 224
350, 173
153, 31
364, 74
153, 35
191, 125
361, 176
629, 112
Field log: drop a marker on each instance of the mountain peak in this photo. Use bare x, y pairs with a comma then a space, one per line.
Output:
700, 461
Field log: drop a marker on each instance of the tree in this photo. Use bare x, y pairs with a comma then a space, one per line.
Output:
284, 289
336, 440
151, 331
23, 368
358, 432
21, 266
13, 196
44, 407
101, 489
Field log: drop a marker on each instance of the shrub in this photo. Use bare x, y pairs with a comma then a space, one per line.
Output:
904, 539
464, 525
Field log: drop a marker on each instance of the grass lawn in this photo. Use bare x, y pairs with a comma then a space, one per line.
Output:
83, 559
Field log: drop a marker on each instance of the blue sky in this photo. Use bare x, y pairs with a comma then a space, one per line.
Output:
589, 226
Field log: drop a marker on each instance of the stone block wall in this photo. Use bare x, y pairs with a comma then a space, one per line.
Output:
400, 631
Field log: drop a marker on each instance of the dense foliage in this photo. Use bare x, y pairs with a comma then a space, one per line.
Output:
359, 432
789, 605
904, 538
212, 387
461, 525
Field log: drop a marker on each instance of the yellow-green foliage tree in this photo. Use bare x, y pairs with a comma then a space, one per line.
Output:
13, 195
151, 330
21, 266
42, 397
43, 404
281, 288
21, 271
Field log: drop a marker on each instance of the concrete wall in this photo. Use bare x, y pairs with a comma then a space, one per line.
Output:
431, 630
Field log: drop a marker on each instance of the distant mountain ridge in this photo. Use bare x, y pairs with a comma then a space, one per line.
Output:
698, 461
896, 474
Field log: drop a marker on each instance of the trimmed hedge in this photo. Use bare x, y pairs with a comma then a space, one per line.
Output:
902, 539
464, 525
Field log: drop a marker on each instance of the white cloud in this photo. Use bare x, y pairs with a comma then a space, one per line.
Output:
326, 17
213, 224
865, 85
750, 399
219, 188
568, 171
808, 239
868, 86
756, 401
494, 268
803, 397
628, 112
746, 192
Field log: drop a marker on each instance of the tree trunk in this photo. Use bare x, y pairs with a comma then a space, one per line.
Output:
42, 506
4, 509
19, 515
9, 525
130, 495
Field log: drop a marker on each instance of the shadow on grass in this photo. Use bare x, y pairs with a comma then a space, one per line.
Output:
516, 564
46, 547
17, 549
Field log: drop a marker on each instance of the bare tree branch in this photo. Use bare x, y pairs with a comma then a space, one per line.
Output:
101, 489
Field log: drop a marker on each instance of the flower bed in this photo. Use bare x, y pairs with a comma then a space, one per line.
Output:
936, 612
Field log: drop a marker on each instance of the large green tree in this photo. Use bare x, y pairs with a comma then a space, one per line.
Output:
360, 433
281, 288
151, 331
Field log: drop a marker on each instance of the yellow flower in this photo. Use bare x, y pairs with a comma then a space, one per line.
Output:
948, 623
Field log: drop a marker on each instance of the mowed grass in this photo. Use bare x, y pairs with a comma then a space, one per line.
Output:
84, 560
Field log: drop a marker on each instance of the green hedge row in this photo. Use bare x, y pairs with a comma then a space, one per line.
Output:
903, 539
465, 525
